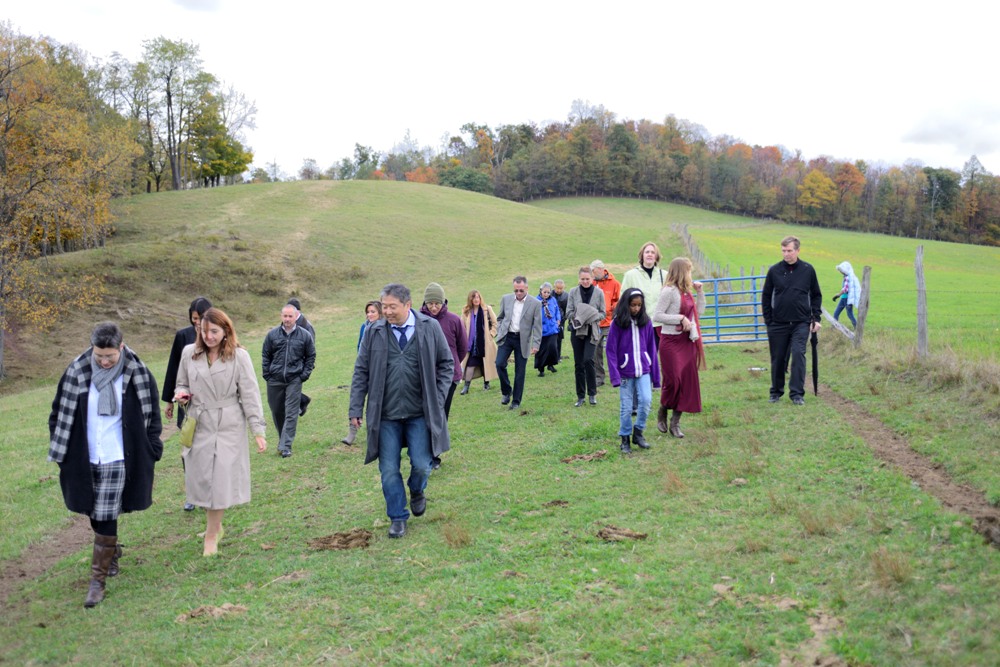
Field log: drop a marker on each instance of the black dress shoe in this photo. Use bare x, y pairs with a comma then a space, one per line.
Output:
593, 400
505, 400
418, 505
398, 528
188, 507
552, 369
286, 453
486, 386
541, 374
514, 406
578, 403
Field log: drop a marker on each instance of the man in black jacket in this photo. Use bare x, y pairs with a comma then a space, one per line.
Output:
289, 356
791, 303
301, 321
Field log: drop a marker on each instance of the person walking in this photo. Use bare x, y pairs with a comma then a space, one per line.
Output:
519, 331
612, 292
104, 432
301, 321
403, 369
436, 306
562, 299
287, 360
182, 339
548, 351
647, 276
480, 323
791, 303
217, 383
632, 366
373, 312
584, 311
849, 295
681, 302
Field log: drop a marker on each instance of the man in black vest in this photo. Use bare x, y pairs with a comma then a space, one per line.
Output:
792, 305
404, 369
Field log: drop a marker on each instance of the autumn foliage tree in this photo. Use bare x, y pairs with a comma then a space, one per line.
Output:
63, 156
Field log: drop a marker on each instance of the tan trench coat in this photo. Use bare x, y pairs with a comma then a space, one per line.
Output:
489, 333
225, 399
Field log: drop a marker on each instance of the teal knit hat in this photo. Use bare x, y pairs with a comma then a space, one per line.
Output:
434, 293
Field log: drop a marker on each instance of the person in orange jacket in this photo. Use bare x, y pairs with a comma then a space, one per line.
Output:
612, 292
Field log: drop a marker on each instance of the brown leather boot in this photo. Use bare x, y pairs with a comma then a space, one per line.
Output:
661, 419
113, 569
105, 547
675, 424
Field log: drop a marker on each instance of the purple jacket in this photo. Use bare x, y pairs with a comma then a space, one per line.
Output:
454, 333
632, 353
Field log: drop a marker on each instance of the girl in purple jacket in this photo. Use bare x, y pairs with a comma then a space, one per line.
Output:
631, 352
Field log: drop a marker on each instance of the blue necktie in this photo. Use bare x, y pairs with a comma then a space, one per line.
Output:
402, 336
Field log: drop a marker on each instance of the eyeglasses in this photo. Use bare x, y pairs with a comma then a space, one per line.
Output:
108, 357
519, 291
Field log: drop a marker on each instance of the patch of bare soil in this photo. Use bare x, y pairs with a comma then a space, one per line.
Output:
599, 454
928, 475
38, 558
615, 534
358, 538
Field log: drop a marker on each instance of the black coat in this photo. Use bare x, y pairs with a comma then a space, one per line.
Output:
182, 339
143, 448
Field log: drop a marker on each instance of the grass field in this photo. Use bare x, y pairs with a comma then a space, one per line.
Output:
771, 533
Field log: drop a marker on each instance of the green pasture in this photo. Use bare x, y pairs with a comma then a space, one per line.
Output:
762, 520
962, 281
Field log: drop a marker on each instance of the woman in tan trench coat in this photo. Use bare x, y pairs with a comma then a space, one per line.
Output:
481, 329
217, 382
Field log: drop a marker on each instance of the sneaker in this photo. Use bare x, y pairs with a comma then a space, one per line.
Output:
798, 401
774, 399
286, 453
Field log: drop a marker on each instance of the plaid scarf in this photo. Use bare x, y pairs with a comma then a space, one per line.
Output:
76, 381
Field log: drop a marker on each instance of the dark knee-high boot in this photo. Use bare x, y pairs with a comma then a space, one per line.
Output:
105, 547
675, 424
113, 569
661, 419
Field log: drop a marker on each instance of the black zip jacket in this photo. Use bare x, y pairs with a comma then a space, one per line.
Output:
791, 294
288, 357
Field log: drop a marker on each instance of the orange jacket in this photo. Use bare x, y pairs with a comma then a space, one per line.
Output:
612, 292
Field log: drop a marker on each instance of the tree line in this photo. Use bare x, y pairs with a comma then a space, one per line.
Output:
76, 133
593, 153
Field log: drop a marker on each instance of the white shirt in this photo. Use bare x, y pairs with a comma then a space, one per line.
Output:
398, 331
104, 432
515, 316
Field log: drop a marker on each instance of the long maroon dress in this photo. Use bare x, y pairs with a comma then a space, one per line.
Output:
680, 358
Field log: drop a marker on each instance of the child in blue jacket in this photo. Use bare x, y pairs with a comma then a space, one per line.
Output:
632, 365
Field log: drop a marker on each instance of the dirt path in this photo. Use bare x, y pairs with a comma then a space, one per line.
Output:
38, 558
930, 476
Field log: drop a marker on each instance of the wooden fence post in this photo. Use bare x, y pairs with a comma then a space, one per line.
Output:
921, 305
866, 280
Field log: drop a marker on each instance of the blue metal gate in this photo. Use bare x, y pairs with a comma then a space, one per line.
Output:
732, 312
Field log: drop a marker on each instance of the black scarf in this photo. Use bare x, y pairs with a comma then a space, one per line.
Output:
479, 347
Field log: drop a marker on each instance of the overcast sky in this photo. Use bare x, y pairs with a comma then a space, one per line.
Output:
882, 81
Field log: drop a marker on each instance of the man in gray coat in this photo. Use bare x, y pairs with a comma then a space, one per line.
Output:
404, 369
519, 330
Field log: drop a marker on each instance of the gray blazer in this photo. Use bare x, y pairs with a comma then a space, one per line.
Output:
436, 369
531, 322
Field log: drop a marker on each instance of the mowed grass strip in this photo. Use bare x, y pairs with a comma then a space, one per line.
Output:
761, 519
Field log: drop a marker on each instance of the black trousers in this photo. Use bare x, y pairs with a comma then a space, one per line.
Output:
788, 340
511, 344
583, 363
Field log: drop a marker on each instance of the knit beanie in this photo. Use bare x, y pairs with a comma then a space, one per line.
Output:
434, 292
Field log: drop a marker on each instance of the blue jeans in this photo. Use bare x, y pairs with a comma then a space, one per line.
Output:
631, 387
393, 435
850, 312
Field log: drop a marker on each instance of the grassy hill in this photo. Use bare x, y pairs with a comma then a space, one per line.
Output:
771, 533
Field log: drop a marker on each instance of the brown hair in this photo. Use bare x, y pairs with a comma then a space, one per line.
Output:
679, 275
468, 301
585, 269
227, 348
655, 247
378, 307
790, 240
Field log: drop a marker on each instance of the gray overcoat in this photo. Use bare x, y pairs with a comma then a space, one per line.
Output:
436, 373
225, 400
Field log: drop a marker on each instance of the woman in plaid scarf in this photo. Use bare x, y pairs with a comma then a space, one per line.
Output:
104, 432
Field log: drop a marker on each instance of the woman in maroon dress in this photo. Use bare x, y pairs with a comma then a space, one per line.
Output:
681, 353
